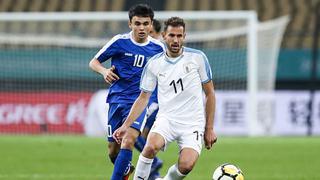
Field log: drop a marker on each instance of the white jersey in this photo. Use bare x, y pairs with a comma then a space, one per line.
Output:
179, 83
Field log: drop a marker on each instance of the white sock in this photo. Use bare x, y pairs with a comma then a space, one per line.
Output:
143, 168
174, 173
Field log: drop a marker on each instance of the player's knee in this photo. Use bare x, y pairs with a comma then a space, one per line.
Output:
150, 151
129, 139
128, 142
186, 166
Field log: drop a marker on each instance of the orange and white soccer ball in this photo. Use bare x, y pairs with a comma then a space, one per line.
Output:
227, 171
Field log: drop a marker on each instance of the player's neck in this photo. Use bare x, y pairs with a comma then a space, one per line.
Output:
140, 41
174, 55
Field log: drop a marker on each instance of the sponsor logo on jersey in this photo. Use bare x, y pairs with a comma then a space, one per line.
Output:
128, 54
162, 74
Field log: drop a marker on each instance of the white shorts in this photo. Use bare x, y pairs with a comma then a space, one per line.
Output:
187, 136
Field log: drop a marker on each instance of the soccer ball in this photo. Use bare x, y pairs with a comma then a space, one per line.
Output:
227, 171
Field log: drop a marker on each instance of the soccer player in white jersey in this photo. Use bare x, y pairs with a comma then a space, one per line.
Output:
182, 74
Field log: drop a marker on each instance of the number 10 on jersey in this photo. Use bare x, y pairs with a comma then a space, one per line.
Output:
138, 60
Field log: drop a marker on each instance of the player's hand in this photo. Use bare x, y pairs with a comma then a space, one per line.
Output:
109, 75
209, 137
119, 133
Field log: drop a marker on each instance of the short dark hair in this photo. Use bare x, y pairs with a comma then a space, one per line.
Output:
174, 22
156, 25
141, 10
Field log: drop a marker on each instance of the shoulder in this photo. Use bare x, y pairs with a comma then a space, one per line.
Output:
156, 42
194, 51
197, 54
154, 59
120, 37
157, 56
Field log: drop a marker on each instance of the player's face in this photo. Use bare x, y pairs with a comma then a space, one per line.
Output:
174, 38
140, 27
154, 34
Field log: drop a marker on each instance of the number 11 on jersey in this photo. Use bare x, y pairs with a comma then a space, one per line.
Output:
173, 83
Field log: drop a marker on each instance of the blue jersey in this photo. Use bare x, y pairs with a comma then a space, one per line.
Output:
129, 59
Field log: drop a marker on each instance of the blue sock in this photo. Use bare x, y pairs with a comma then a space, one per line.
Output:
121, 164
140, 143
155, 165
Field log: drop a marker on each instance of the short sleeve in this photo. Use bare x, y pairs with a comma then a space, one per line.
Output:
204, 68
108, 50
148, 80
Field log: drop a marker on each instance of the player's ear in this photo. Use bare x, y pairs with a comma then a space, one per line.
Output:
163, 33
129, 24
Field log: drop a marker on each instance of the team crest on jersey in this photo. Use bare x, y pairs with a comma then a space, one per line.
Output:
187, 67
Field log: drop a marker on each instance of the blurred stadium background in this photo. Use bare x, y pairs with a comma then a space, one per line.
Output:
46, 84
46, 88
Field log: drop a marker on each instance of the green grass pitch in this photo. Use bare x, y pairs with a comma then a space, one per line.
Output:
84, 158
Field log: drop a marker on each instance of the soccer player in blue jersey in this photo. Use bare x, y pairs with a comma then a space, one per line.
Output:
156, 29
129, 53
153, 108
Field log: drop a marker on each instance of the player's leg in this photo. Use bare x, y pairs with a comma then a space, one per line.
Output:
141, 140
146, 131
152, 111
190, 145
160, 136
114, 122
157, 163
123, 161
113, 150
187, 159
115, 117
154, 143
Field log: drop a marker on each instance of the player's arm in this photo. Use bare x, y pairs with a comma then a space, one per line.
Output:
209, 135
109, 50
147, 85
210, 103
207, 86
137, 108
108, 74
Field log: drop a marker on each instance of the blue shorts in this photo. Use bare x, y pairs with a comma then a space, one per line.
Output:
117, 115
152, 112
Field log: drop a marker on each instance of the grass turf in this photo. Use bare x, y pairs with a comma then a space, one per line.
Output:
84, 158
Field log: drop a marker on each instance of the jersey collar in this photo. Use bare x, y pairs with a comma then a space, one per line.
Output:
174, 60
136, 43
